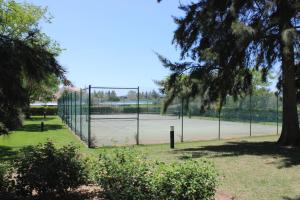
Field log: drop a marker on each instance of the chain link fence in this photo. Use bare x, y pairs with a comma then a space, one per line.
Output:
103, 116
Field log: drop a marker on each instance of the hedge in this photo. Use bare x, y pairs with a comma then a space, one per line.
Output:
39, 110
124, 174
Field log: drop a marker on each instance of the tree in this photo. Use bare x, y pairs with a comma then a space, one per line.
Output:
43, 91
25, 53
225, 39
132, 95
180, 88
113, 96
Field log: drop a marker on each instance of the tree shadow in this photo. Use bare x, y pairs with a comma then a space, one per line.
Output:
40, 118
289, 156
290, 198
7, 153
71, 195
37, 127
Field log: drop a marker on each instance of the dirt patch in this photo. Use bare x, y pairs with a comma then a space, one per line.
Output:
92, 192
220, 195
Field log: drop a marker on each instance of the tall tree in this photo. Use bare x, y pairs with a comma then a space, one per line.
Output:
225, 39
180, 88
25, 53
44, 90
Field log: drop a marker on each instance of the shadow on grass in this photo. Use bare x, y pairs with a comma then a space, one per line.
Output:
289, 198
37, 127
40, 118
288, 156
7, 153
71, 195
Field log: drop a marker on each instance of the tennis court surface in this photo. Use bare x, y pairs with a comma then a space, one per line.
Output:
107, 130
105, 116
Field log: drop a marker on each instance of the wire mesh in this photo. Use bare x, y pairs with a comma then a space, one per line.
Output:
121, 116
85, 115
114, 116
235, 118
199, 123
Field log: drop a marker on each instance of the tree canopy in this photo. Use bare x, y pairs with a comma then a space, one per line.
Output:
223, 41
26, 53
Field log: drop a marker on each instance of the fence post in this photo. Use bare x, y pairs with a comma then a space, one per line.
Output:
182, 119
89, 118
71, 110
75, 99
250, 114
138, 117
80, 114
277, 112
64, 108
219, 133
67, 107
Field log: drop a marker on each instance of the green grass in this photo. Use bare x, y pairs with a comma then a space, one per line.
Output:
31, 134
249, 168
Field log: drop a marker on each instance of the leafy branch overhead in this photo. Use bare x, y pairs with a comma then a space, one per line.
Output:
224, 41
26, 55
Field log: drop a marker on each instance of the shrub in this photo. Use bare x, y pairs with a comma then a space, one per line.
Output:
48, 170
188, 180
124, 174
6, 181
3, 177
39, 110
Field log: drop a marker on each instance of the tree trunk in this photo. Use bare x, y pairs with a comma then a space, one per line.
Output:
26, 111
290, 134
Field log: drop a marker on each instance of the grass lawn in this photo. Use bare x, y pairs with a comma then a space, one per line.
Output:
249, 168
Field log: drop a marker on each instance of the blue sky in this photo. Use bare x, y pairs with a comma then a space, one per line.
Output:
112, 42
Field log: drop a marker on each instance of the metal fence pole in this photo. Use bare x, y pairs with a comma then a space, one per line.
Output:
89, 118
71, 107
75, 112
63, 108
67, 106
250, 114
80, 114
277, 113
138, 117
219, 133
68, 109
182, 119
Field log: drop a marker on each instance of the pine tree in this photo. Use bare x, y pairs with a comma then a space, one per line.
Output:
225, 40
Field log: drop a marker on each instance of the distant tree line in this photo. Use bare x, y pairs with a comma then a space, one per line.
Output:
111, 95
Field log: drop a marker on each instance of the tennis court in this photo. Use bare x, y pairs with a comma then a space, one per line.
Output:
107, 130
105, 116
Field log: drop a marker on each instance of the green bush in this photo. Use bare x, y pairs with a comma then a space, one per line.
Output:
39, 110
188, 180
124, 174
48, 170
6, 181
3, 177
